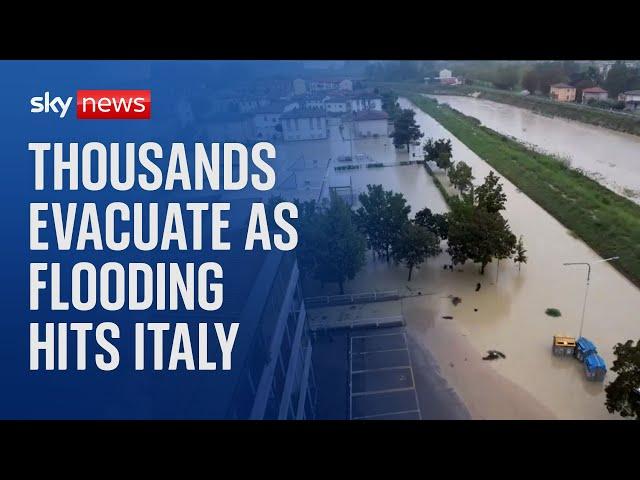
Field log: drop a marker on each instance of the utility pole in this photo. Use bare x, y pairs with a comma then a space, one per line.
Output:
586, 290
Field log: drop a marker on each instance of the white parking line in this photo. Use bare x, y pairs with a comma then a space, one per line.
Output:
380, 335
381, 369
386, 414
353, 395
374, 392
413, 380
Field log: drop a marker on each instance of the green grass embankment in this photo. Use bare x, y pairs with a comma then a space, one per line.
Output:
607, 222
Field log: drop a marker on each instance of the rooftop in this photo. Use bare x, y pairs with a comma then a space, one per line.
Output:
304, 113
594, 90
368, 115
561, 85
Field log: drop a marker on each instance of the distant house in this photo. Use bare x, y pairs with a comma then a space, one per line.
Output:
631, 100
368, 123
446, 78
266, 120
563, 92
594, 93
304, 124
444, 74
299, 86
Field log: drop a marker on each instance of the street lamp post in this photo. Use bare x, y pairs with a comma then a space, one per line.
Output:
586, 290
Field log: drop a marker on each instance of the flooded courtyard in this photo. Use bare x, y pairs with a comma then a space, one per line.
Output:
508, 312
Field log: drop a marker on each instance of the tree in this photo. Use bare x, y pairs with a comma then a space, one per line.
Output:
489, 195
623, 394
617, 79
439, 151
381, 216
390, 104
477, 230
460, 176
414, 245
405, 129
520, 253
480, 237
340, 246
309, 236
550, 73
506, 77
436, 223
530, 81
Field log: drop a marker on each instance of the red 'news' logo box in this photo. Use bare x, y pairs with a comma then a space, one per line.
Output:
113, 104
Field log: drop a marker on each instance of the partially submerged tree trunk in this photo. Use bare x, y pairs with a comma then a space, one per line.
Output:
410, 272
341, 284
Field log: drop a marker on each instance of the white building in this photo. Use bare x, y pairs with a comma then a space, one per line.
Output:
311, 100
346, 84
631, 100
304, 124
266, 121
336, 104
325, 84
299, 86
444, 74
368, 123
365, 101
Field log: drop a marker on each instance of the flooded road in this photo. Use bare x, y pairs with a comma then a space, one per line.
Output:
609, 157
509, 315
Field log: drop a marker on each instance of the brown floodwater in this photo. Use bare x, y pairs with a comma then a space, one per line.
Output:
609, 157
507, 315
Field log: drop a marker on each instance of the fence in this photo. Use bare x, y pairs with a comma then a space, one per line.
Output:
347, 299
319, 324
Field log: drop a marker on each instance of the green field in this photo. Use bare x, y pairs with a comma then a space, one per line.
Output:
608, 223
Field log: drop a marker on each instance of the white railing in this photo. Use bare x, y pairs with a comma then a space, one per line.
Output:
365, 322
366, 297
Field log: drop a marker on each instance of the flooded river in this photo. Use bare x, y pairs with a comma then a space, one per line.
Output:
507, 315
612, 158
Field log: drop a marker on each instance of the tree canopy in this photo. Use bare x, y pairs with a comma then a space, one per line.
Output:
436, 223
414, 245
381, 216
623, 394
331, 247
438, 151
405, 129
460, 176
477, 230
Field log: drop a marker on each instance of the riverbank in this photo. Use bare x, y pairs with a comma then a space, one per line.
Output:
606, 156
607, 222
618, 121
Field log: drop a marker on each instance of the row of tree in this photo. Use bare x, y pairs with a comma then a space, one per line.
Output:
333, 238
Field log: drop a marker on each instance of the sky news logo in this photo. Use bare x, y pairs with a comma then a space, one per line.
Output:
98, 104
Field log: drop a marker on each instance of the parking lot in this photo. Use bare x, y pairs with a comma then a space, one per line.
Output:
382, 382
